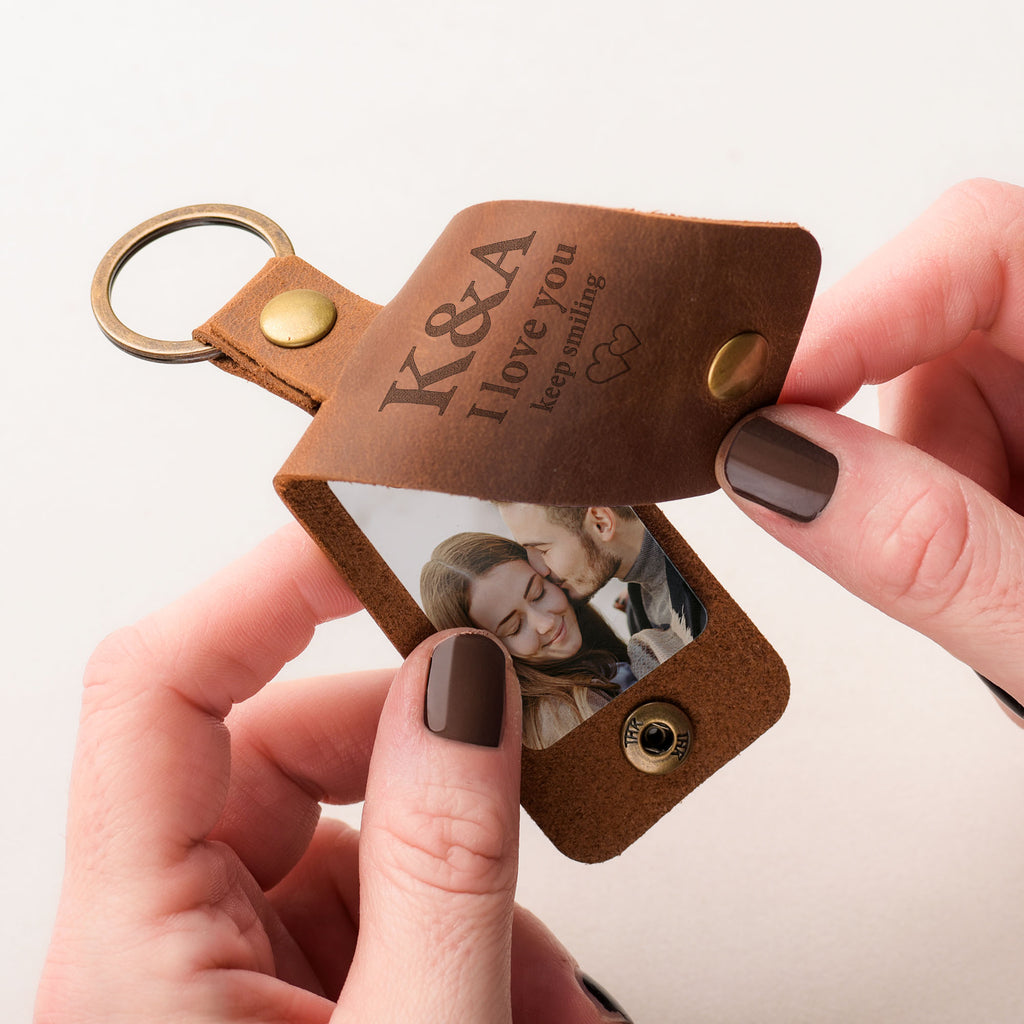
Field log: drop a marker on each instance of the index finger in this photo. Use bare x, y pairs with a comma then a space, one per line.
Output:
152, 764
957, 270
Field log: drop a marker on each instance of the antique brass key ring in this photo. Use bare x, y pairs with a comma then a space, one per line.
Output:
138, 238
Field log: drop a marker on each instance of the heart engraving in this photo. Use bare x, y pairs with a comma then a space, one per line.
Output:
608, 356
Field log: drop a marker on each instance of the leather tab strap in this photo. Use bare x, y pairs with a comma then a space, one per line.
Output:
304, 376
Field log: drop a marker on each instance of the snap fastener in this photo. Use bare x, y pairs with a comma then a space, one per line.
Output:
657, 737
297, 318
738, 366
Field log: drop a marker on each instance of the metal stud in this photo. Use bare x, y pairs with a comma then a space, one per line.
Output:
657, 737
297, 318
738, 366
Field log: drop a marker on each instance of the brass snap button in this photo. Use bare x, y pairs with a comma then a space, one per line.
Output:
657, 737
738, 366
297, 318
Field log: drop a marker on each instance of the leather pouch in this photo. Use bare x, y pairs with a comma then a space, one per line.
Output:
553, 355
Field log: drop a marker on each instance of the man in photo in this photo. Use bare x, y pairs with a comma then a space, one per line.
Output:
582, 548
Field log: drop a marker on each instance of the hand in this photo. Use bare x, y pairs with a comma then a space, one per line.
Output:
200, 883
923, 521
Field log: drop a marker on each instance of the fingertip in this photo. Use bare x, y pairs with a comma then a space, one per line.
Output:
465, 691
447, 759
439, 847
465, 688
773, 466
890, 523
321, 584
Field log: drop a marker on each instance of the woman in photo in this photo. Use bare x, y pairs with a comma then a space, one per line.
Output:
569, 661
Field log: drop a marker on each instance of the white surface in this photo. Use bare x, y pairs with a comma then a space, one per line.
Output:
860, 862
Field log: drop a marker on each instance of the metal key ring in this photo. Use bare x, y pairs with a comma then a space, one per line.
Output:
125, 248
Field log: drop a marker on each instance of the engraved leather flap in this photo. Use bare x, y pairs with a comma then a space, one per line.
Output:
559, 354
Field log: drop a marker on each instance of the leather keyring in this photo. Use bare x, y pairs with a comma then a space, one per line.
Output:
544, 371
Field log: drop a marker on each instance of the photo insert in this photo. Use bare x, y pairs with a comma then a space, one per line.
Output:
583, 598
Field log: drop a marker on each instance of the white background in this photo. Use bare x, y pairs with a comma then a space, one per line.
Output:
860, 862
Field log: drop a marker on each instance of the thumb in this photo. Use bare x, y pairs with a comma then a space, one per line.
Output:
890, 523
438, 852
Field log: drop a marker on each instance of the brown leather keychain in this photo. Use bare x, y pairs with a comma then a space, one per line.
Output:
502, 429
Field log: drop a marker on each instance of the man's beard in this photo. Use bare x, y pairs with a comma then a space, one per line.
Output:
601, 567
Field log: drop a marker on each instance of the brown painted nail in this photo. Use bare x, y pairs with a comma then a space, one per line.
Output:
780, 470
466, 690
602, 998
1003, 697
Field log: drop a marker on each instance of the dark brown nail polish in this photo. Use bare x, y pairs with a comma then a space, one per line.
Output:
780, 470
602, 998
466, 690
1011, 703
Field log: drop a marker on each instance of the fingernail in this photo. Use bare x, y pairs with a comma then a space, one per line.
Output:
1003, 697
602, 998
780, 470
466, 690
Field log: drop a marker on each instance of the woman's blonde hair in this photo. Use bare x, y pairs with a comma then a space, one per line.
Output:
444, 592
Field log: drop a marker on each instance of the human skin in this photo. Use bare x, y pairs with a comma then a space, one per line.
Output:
560, 554
201, 884
925, 518
530, 615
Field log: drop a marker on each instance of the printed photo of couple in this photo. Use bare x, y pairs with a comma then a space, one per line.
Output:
534, 576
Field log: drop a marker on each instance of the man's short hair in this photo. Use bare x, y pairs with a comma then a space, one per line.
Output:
573, 516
